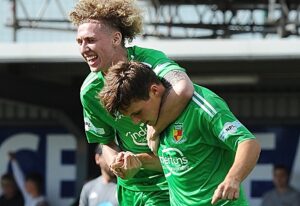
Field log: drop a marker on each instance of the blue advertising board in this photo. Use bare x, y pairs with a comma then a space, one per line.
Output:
280, 145
51, 151
48, 151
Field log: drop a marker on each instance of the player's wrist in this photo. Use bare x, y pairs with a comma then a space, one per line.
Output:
112, 161
141, 159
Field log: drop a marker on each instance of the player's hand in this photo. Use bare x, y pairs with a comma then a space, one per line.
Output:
117, 165
126, 165
131, 165
152, 139
229, 189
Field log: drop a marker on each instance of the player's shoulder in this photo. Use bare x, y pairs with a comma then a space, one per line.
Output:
207, 101
140, 52
91, 83
205, 94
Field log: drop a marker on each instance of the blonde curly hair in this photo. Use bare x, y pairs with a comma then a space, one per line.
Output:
123, 15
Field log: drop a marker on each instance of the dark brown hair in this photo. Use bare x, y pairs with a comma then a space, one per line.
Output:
126, 82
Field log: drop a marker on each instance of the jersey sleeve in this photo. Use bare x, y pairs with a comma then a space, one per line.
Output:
96, 129
162, 69
220, 122
156, 60
229, 129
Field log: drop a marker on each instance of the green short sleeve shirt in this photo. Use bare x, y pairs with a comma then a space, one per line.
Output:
198, 149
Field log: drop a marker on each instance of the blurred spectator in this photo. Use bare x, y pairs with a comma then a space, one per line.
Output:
100, 191
11, 195
283, 194
31, 186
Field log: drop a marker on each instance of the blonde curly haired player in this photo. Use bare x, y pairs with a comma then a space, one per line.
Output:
121, 14
103, 27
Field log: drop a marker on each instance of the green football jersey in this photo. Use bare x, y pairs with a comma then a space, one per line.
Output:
198, 149
101, 127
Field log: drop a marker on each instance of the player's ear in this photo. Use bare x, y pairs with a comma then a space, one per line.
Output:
117, 38
154, 90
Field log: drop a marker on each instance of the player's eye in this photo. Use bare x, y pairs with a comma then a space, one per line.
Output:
90, 40
79, 41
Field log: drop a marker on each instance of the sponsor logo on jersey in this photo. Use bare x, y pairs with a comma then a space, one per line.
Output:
139, 137
229, 128
174, 160
178, 131
88, 126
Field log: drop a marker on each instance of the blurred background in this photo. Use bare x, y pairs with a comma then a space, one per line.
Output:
246, 51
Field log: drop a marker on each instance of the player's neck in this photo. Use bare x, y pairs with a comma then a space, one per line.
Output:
120, 55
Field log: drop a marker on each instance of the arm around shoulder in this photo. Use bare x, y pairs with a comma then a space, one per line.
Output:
180, 93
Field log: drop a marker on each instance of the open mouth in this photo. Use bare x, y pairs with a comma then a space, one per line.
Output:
91, 59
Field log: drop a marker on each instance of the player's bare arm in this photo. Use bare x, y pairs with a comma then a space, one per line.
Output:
180, 93
110, 152
150, 161
245, 160
128, 164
